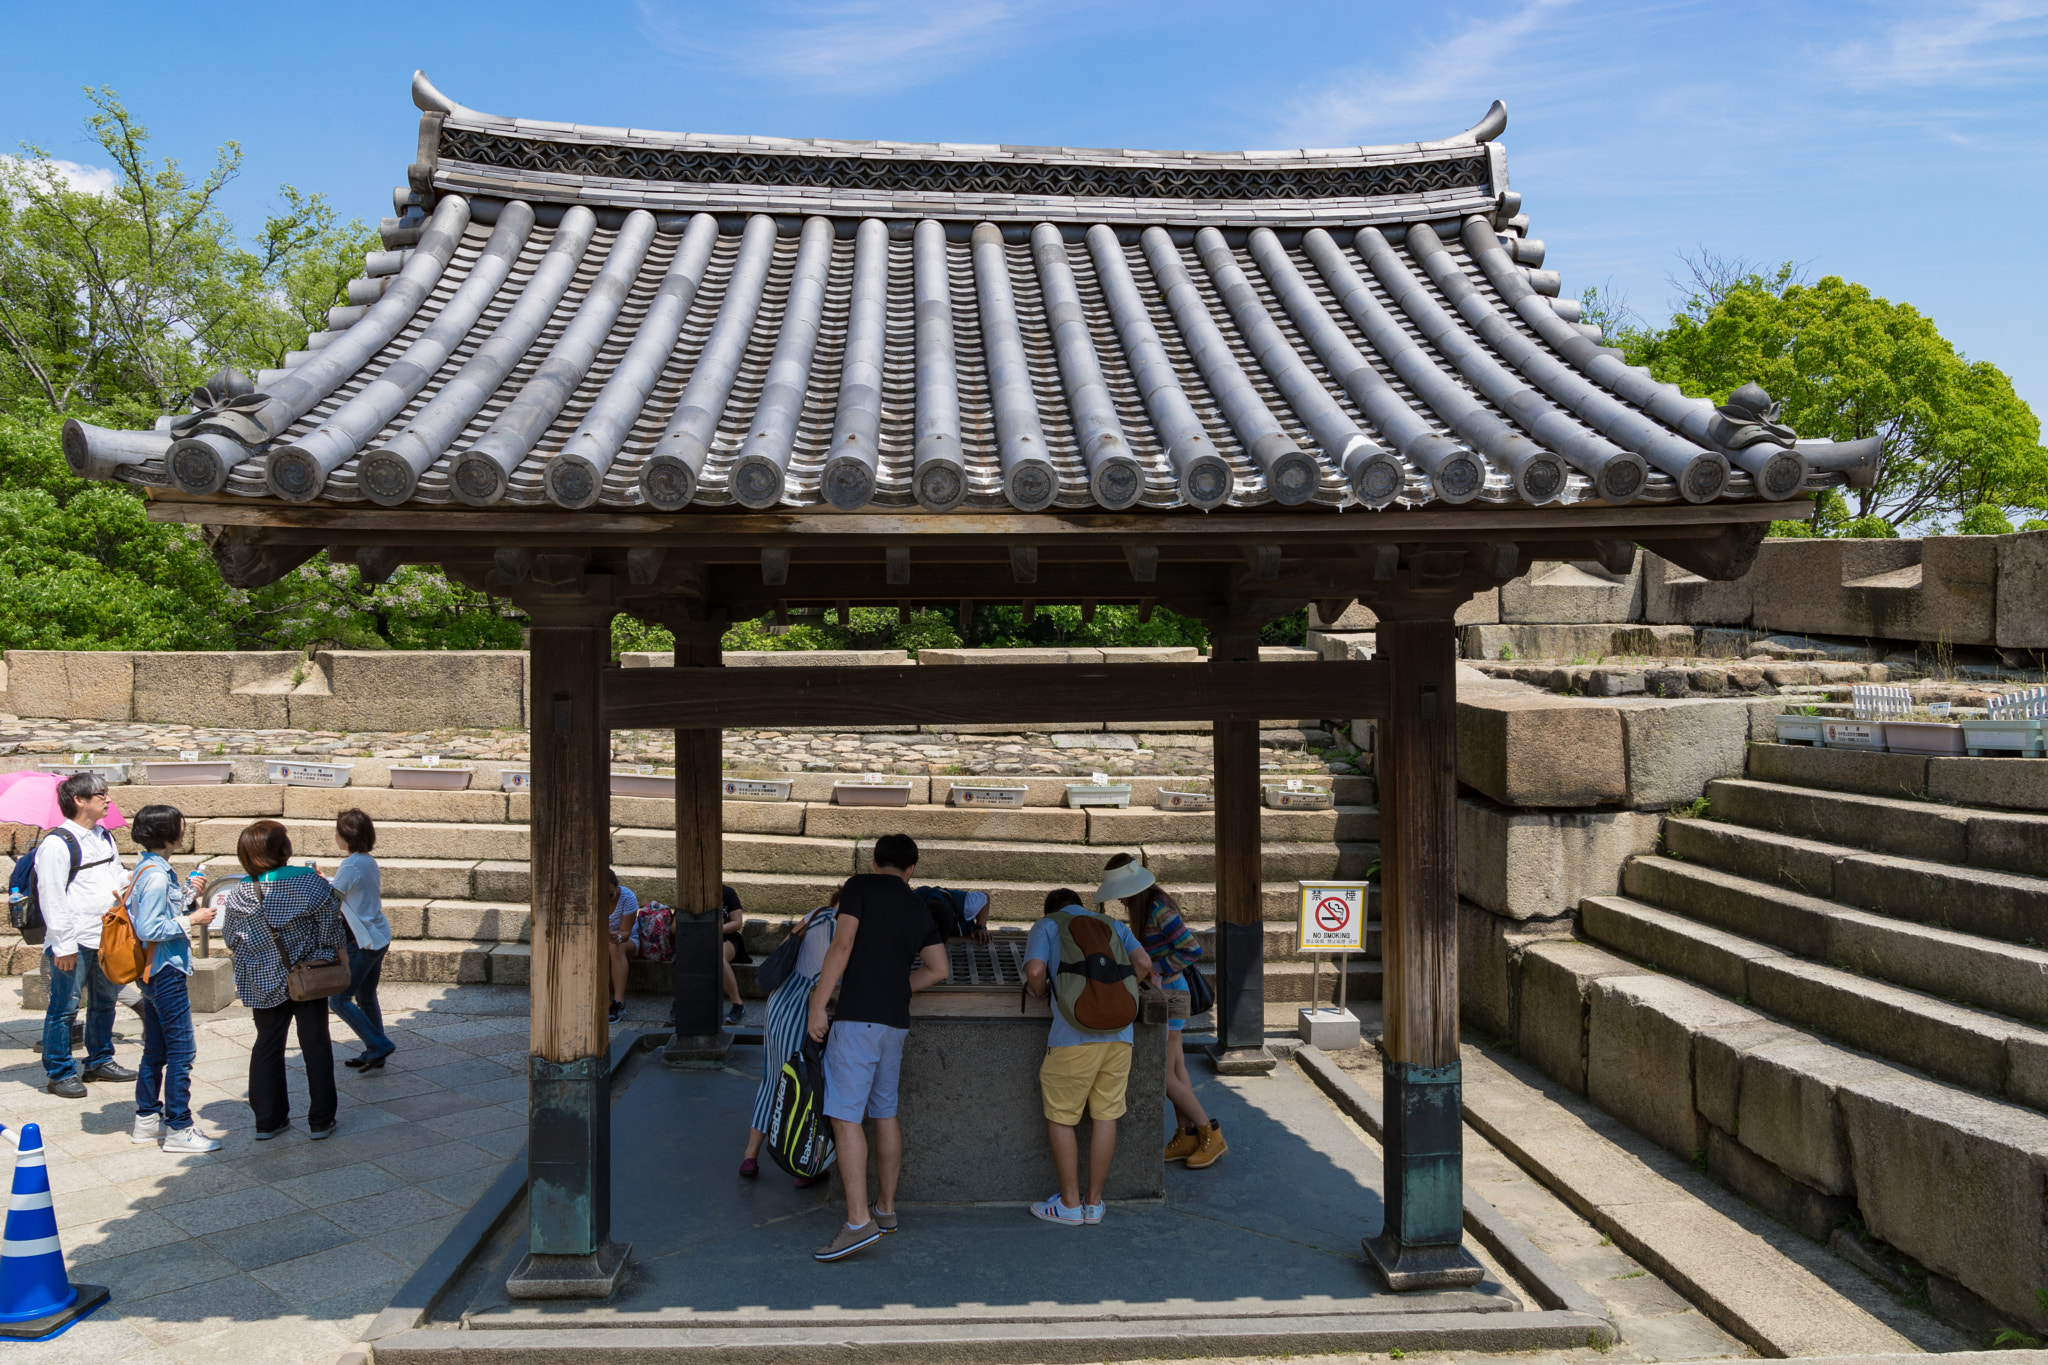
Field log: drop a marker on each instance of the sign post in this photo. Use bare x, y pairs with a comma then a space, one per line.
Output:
1332, 921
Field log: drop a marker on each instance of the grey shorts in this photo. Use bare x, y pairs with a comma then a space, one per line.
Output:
862, 1062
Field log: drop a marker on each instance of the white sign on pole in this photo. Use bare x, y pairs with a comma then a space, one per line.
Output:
1333, 917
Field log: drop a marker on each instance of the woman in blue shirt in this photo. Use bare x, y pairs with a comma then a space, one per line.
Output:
360, 887
157, 910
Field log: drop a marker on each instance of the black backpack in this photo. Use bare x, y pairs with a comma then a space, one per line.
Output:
24, 907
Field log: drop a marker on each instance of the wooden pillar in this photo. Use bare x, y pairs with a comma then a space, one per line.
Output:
699, 1039
1240, 855
1421, 1244
570, 1251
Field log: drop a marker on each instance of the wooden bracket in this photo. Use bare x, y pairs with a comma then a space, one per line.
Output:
376, 563
845, 611
1030, 610
1024, 563
1143, 561
1145, 606
1264, 561
557, 570
903, 612
774, 568
643, 564
1087, 610
1615, 556
512, 563
896, 559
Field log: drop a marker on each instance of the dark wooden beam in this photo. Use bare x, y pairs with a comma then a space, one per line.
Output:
689, 698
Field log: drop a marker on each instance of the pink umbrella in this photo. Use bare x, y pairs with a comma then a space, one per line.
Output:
30, 798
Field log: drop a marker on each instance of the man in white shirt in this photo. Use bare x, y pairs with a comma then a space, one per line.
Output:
72, 903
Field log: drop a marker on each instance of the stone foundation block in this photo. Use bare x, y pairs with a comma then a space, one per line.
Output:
439, 963
1749, 1175
1639, 1053
1551, 1018
511, 964
424, 879
1844, 770
1717, 1055
478, 920
211, 986
1570, 592
1673, 594
2023, 591
384, 803
1539, 864
67, 684
1787, 1111
226, 689
229, 799
412, 690
1525, 749
1490, 949
1676, 747
408, 918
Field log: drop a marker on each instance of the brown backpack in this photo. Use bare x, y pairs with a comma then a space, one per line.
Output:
124, 958
1095, 987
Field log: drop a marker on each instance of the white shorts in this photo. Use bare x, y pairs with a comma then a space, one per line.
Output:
862, 1063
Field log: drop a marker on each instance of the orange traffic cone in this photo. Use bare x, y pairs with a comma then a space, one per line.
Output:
37, 1300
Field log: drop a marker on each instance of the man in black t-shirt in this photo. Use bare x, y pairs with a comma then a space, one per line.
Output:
882, 929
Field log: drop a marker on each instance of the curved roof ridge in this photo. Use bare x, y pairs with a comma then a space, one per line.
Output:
429, 99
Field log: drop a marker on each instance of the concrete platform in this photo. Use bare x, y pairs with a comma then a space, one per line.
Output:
1258, 1255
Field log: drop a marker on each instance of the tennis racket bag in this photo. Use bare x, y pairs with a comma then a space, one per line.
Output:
799, 1134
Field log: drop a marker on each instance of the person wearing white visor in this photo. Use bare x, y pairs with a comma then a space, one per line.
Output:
1156, 921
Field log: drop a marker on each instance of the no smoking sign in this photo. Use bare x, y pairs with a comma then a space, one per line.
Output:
1333, 917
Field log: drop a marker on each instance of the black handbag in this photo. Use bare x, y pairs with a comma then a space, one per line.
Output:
780, 965
1201, 995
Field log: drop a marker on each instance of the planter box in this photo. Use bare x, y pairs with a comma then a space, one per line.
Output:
1853, 734
1936, 737
986, 795
1081, 794
1300, 798
643, 784
431, 779
756, 789
1170, 800
291, 773
870, 793
188, 774
515, 780
113, 774
2022, 736
1801, 729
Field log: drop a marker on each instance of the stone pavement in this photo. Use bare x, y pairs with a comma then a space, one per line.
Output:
278, 1252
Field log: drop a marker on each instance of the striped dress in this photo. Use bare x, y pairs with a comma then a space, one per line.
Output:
1170, 944
789, 1011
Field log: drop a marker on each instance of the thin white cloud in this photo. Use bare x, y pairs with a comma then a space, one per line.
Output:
1365, 105
1954, 44
86, 179
849, 47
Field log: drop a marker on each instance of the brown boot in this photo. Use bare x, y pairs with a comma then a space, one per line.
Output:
1210, 1148
1184, 1143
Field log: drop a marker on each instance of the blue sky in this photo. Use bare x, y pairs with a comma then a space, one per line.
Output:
1900, 145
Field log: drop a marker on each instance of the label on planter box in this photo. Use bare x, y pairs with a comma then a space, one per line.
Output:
1853, 733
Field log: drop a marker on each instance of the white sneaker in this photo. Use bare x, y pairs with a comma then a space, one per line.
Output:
148, 1128
1091, 1214
1057, 1210
189, 1142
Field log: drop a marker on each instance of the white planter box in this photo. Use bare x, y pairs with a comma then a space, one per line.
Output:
110, 773
968, 795
643, 784
1933, 737
1171, 800
1853, 734
756, 789
515, 780
423, 779
871, 793
188, 774
1117, 794
292, 773
2021, 737
1800, 729
1300, 798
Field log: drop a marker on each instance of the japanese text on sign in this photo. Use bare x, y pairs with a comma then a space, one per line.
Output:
1333, 917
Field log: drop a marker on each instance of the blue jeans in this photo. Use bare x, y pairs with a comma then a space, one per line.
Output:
164, 1082
357, 1005
86, 980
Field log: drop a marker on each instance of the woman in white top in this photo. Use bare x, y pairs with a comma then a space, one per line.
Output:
788, 1014
360, 888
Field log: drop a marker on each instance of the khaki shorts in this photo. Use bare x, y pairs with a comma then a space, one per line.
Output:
1091, 1076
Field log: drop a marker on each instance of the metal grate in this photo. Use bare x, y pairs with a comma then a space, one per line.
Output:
995, 965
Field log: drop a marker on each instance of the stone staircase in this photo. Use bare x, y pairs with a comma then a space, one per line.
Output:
456, 874
1833, 990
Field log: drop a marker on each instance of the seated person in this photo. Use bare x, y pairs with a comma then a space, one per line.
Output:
958, 914
732, 926
625, 918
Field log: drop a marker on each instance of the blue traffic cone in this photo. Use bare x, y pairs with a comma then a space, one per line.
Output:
37, 1300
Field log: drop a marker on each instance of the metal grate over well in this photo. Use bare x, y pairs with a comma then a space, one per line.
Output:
995, 965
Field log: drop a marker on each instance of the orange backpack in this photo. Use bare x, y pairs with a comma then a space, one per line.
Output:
124, 957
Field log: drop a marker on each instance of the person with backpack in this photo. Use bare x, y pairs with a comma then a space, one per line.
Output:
359, 885
284, 918
1091, 966
787, 1009
78, 875
882, 928
1155, 919
158, 901
959, 914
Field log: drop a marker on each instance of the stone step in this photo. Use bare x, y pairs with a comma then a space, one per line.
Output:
1983, 1051
2002, 841
1971, 900
2008, 978
1812, 1131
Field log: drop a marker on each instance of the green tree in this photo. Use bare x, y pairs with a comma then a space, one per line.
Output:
1848, 365
1984, 520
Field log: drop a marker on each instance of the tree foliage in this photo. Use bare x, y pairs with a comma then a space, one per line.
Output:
1848, 365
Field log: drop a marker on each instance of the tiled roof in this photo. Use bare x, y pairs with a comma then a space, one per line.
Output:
600, 317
